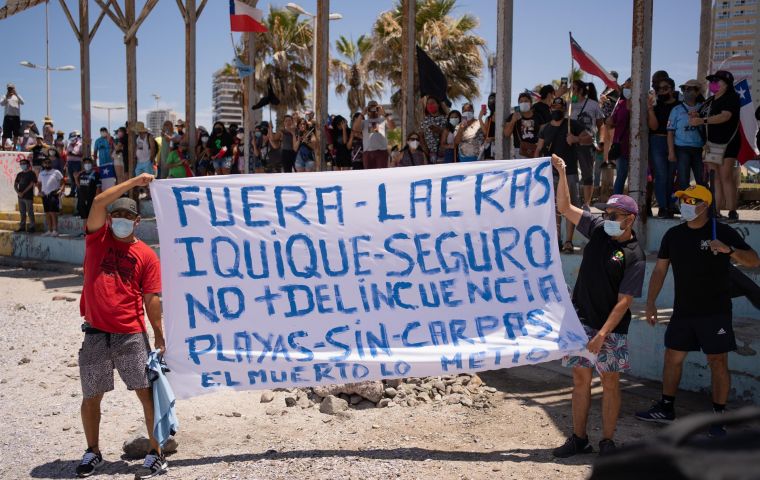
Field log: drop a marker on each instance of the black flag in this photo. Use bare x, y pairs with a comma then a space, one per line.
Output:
269, 98
432, 80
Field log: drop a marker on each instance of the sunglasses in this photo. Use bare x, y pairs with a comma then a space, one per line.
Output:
614, 215
691, 201
413, 139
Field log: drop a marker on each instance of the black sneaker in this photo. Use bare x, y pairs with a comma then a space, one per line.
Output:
153, 466
658, 413
20, 230
717, 431
606, 446
91, 461
574, 445
31, 229
733, 216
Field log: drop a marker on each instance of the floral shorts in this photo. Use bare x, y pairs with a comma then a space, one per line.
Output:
613, 356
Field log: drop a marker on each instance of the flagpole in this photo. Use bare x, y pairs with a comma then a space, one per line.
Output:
570, 79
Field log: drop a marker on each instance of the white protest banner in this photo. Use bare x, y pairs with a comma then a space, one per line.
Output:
286, 280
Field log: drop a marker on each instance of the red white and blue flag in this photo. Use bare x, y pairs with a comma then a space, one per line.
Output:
588, 64
245, 18
747, 124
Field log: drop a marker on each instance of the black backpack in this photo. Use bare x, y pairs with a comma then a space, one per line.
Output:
682, 451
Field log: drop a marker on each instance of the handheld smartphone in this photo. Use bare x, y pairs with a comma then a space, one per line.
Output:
483, 107
517, 108
563, 81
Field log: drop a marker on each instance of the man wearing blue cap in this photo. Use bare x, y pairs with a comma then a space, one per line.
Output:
610, 276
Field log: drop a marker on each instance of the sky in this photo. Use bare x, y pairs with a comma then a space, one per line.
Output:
541, 50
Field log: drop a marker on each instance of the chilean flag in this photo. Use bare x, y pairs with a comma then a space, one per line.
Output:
244, 18
589, 64
747, 123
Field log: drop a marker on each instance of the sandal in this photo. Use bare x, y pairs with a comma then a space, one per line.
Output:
568, 247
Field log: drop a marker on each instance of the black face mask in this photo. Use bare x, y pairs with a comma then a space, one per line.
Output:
557, 115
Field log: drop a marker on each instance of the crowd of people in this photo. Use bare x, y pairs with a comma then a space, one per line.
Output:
692, 140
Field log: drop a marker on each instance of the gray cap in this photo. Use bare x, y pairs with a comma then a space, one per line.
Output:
124, 203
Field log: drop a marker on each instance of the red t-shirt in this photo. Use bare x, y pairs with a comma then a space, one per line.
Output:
116, 276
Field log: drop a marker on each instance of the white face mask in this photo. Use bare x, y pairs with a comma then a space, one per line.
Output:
87, 167
204, 139
122, 227
103, 134
413, 144
689, 212
524, 107
467, 116
627, 93
612, 228
454, 121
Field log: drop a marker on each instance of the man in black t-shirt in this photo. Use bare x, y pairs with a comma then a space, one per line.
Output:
702, 305
555, 138
24, 184
610, 276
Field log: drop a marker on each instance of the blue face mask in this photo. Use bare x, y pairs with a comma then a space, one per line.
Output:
122, 227
689, 212
612, 228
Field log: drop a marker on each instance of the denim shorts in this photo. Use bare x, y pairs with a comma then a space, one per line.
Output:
144, 167
223, 163
612, 357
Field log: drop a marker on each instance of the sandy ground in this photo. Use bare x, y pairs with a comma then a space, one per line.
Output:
41, 435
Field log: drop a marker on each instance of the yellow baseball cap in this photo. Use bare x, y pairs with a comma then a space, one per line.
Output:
696, 191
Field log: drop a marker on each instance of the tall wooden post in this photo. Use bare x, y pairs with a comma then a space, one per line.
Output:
408, 64
641, 66
505, 9
322, 82
190, 23
84, 74
248, 114
131, 44
705, 40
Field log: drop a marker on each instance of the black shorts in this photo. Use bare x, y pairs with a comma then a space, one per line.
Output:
585, 155
733, 147
11, 126
712, 334
51, 203
288, 160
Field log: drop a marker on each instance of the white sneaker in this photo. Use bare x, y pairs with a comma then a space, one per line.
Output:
54, 233
47, 234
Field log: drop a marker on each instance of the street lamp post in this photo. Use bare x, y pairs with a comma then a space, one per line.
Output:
295, 8
105, 107
47, 66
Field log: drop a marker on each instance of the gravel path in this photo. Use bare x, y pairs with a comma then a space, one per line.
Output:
41, 435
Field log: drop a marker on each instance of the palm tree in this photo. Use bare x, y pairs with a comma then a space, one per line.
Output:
284, 55
449, 41
355, 76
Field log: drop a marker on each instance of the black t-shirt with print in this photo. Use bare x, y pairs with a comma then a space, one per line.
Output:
23, 180
608, 268
526, 129
722, 133
555, 142
701, 278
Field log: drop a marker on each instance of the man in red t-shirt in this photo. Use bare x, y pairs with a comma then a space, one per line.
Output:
122, 281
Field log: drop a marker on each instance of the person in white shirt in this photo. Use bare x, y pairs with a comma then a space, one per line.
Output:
373, 129
50, 184
12, 102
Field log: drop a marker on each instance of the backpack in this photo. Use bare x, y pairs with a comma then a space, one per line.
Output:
682, 451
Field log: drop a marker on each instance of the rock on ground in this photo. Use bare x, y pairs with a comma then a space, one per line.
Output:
331, 405
372, 390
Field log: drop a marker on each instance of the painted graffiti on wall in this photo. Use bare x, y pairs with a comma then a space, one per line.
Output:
9, 167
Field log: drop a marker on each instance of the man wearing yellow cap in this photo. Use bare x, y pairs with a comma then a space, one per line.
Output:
701, 253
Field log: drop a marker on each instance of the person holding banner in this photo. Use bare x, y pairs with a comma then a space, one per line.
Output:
122, 276
610, 276
701, 253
